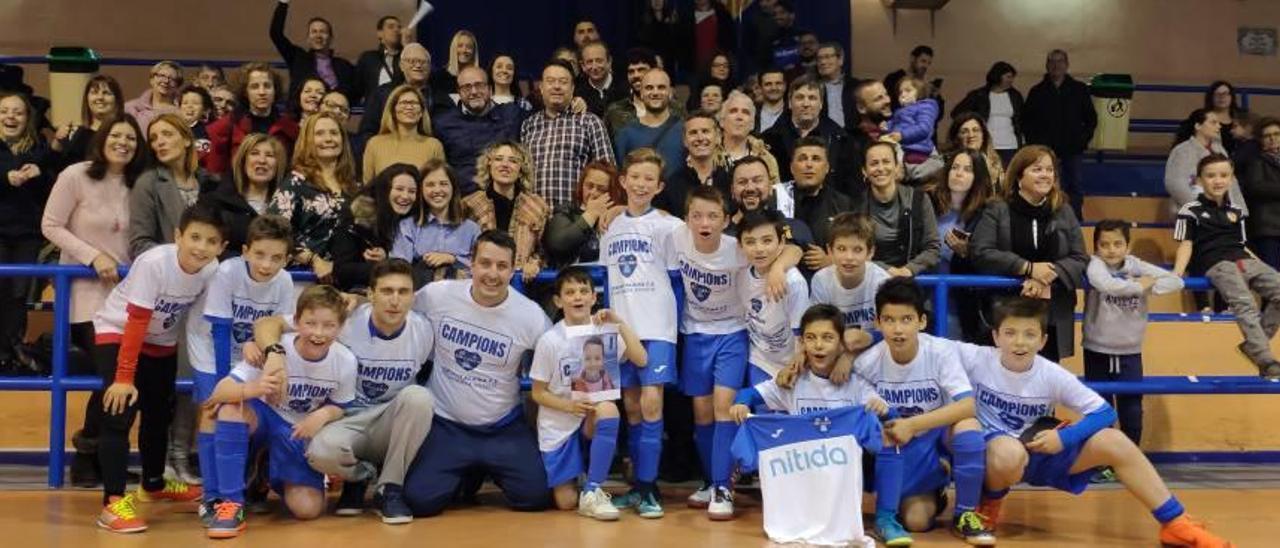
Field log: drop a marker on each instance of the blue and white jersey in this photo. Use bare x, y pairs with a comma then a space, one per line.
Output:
810, 473
235, 297
638, 253
1009, 402
811, 394
858, 304
311, 385
387, 364
711, 302
933, 379
773, 324
478, 350
157, 283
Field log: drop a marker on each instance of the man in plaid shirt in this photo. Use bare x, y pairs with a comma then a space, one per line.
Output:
561, 142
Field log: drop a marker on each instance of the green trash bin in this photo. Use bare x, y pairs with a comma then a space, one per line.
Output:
70, 69
1112, 100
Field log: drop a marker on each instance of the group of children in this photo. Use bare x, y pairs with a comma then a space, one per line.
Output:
952, 411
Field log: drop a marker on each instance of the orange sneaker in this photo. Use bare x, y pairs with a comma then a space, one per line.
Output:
989, 511
174, 491
1185, 531
120, 515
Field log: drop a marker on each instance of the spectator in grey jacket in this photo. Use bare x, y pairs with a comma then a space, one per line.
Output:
1260, 184
907, 241
1198, 137
1033, 234
158, 199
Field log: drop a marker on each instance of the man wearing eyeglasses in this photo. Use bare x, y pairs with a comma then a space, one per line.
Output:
160, 98
476, 121
415, 66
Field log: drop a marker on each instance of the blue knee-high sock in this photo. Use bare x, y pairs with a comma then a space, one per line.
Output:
603, 444
1169, 511
704, 439
721, 459
969, 465
208, 464
232, 441
650, 451
889, 474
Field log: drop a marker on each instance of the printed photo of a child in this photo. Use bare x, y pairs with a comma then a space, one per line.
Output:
595, 376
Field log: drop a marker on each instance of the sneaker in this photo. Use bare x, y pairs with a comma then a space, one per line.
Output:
120, 515
969, 526
596, 504
989, 511
700, 498
1185, 531
1104, 475
173, 491
650, 507
629, 500
228, 520
351, 502
207, 510
891, 532
721, 506
391, 505
1270, 371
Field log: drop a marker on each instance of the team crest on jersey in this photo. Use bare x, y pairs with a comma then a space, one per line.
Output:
756, 305
169, 321
242, 332
700, 292
300, 405
372, 389
822, 424
627, 264
466, 359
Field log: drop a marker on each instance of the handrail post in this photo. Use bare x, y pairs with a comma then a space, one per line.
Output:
58, 422
940, 307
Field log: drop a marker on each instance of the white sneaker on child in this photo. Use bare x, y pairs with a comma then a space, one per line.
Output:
700, 498
721, 506
597, 504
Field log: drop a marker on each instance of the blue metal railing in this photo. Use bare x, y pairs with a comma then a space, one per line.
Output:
58, 384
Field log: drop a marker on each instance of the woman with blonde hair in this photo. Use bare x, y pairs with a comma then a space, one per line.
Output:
506, 201
257, 169
464, 51
405, 134
175, 183
315, 194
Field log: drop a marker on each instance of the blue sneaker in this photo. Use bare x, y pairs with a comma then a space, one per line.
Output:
391, 505
650, 507
228, 521
891, 532
629, 500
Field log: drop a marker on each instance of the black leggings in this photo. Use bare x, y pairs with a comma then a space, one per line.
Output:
13, 291
82, 337
154, 380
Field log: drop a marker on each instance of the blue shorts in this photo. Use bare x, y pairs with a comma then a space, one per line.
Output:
565, 463
288, 456
922, 464
713, 360
660, 368
1055, 471
203, 385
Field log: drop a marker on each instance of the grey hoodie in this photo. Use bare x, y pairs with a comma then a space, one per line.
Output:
1115, 308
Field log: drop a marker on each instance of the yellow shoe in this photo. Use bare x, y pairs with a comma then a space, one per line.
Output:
174, 491
120, 515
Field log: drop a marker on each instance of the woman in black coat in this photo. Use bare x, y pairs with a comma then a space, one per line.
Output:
257, 167
1000, 106
1033, 234
1260, 183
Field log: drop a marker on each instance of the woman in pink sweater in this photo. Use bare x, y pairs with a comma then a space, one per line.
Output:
87, 217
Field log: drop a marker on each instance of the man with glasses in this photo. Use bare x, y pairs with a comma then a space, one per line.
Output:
1059, 114
838, 86
415, 63
160, 98
476, 121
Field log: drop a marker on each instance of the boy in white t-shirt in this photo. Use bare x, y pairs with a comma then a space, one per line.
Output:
714, 330
250, 286
136, 353
851, 281
314, 380
1017, 394
638, 252
773, 325
561, 428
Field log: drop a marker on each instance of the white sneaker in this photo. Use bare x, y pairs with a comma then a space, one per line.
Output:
721, 506
700, 498
597, 504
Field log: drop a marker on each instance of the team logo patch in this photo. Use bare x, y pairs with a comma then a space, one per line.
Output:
466, 359
169, 321
242, 332
822, 424
300, 405
756, 305
700, 292
627, 264
373, 390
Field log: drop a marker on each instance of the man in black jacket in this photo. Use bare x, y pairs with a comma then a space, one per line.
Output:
318, 60
837, 87
379, 66
804, 119
814, 201
597, 84
1059, 114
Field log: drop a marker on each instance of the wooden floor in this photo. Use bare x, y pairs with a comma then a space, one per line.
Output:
1100, 518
